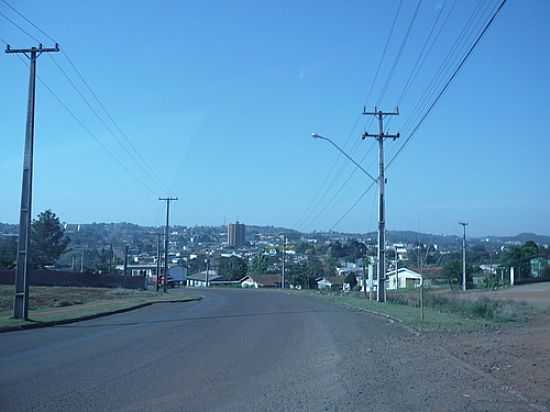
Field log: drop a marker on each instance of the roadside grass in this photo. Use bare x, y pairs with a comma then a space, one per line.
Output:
49, 304
441, 313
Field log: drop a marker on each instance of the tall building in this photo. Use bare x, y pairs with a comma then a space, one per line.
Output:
235, 234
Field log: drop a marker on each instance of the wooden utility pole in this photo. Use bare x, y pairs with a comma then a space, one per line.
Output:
21, 301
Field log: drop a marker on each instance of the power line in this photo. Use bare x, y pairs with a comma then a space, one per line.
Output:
353, 206
137, 157
88, 131
388, 39
319, 197
440, 94
421, 55
423, 118
400, 52
309, 220
435, 81
387, 82
108, 114
97, 115
342, 186
20, 28
28, 21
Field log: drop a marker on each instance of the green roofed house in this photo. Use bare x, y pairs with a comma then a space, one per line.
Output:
537, 266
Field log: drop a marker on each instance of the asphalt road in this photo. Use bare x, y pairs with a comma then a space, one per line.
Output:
239, 350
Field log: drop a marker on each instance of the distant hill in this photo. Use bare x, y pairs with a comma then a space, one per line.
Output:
106, 231
522, 237
8, 228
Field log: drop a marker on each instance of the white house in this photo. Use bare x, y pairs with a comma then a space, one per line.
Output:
350, 268
407, 279
330, 282
248, 282
199, 280
262, 281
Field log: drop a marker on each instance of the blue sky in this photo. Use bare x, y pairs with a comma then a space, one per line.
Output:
221, 99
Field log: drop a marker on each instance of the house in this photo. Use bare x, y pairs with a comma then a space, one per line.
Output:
225, 282
344, 271
148, 270
407, 279
537, 266
331, 282
262, 281
178, 273
199, 280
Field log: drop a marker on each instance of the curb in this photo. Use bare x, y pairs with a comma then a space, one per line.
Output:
408, 328
389, 317
46, 324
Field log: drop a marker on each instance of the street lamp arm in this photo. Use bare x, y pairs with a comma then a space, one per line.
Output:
318, 136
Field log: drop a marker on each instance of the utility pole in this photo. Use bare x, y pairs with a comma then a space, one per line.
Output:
396, 270
21, 301
207, 261
365, 273
126, 260
110, 258
158, 262
283, 272
381, 202
82, 261
464, 224
167, 200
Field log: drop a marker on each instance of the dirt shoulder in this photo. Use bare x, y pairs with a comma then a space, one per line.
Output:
517, 356
515, 353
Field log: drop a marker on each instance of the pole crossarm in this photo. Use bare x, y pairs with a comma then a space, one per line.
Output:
38, 50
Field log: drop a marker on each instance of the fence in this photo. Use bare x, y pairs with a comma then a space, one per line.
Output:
58, 278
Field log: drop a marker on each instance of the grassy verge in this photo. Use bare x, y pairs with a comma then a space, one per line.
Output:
55, 304
440, 314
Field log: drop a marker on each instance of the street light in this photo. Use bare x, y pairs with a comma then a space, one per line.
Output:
381, 219
318, 136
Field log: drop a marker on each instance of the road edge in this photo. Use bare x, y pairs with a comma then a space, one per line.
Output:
38, 324
393, 319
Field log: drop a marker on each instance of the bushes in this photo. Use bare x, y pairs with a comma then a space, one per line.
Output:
480, 308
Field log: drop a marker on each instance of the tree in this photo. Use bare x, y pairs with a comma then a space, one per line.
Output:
48, 240
232, 268
546, 272
351, 280
519, 257
453, 272
8, 252
260, 264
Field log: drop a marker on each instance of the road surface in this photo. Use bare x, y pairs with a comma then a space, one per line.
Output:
239, 350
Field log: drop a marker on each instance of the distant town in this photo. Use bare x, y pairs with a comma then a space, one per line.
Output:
240, 255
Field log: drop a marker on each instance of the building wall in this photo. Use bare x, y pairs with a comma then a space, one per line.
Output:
235, 234
249, 283
58, 278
